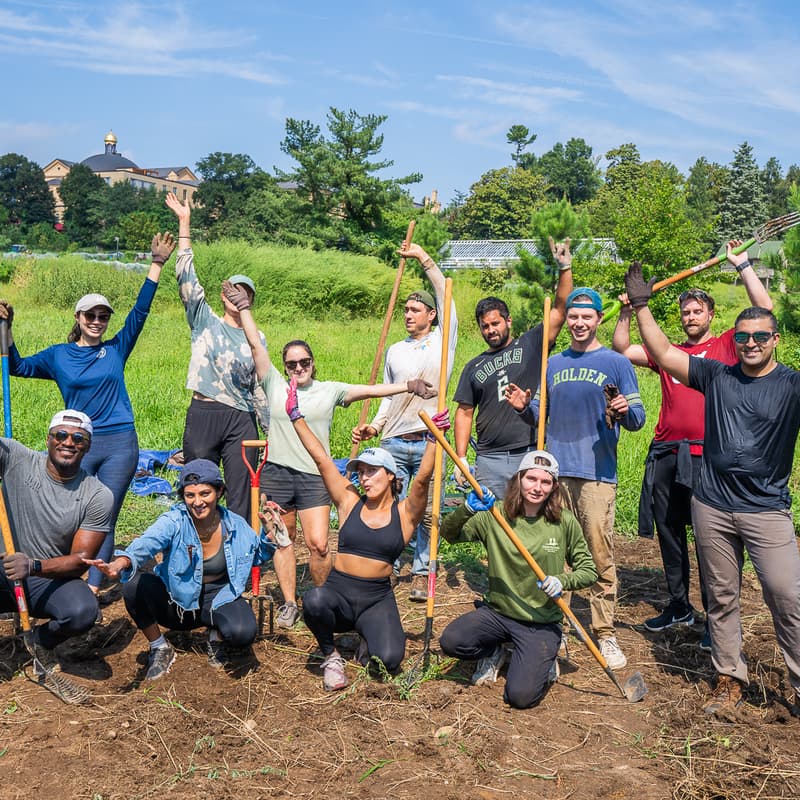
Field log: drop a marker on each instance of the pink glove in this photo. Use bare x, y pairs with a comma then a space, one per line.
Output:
292, 406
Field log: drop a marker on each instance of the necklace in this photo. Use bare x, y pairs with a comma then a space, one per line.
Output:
206, 533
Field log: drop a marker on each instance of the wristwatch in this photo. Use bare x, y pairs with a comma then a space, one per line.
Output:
37, 567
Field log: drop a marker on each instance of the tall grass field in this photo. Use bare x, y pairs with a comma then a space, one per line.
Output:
335, 301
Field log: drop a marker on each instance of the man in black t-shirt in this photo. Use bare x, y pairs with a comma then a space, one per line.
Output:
752, 419
503, 438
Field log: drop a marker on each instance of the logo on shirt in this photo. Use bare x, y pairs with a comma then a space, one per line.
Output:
498, 364
551, 545
101, 353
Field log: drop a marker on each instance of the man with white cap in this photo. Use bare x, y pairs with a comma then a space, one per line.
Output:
59, 515
222, 377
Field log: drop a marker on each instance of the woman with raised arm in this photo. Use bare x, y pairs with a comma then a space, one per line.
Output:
90, 374
374, 527
291, 478
207, 552
517, 608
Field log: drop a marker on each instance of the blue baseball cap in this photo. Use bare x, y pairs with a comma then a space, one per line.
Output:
375, 457
199, 470
594, 301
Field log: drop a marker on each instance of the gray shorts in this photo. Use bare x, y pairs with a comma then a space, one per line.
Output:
293, 490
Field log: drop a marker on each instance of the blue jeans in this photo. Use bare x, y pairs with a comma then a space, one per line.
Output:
112, 458
408, 456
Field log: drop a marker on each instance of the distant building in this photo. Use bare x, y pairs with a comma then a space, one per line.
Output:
113, 167
502, 253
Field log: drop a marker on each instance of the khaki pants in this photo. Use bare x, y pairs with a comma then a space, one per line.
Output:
592, 502
770, 540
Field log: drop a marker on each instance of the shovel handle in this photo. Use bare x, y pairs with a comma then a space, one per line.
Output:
19, 589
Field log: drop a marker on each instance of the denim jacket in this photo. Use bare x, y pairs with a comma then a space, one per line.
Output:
173, 534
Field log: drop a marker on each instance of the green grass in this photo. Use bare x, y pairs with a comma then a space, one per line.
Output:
340, 315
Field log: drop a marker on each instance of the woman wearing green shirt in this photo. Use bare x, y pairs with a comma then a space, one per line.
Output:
517, 608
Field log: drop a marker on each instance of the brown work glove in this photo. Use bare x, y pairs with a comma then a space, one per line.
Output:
161, 247
421, 388
6, 311
612, 415
639, 291
236, 295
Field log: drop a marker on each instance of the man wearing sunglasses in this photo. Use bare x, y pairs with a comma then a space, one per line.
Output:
673, 461
752, 419
59, 515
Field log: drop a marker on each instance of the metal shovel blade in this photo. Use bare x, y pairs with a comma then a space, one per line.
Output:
634, 687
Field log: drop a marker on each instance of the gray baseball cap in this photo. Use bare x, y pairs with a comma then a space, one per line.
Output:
375, 457
539, 459
89, 301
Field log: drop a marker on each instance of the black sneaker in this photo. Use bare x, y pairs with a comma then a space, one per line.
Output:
669, 618
705, 642
159, 662
218, 655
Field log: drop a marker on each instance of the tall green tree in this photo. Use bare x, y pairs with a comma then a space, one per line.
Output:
23, 191
520, 136
789, 301
775, 188
705, 186
624, 165
743, 208
571, 171
84, 196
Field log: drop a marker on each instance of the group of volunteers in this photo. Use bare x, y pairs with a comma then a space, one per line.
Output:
720, 461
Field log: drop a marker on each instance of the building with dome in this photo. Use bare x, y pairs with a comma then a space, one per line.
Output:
113, 167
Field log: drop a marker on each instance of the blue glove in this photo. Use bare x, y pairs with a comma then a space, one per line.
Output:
551, 586
475, 503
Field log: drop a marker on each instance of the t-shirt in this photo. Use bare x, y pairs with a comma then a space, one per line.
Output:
44, 513
683, 409
409, 359
92, 379
221, 367
751, 430
512, 583
317, 402
577, 434
483, 383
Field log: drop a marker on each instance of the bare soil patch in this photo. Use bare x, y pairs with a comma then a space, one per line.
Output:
269, 730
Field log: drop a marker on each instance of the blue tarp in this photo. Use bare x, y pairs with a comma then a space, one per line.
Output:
144, 481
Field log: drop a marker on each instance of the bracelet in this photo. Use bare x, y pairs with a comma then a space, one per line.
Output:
743, 266
565, 267
160, 260
428, 263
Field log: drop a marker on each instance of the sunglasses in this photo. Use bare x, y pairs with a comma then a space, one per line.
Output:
759, 337
303, 363
91, 316
77, 437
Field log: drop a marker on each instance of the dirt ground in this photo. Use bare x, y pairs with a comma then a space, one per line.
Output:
269, 729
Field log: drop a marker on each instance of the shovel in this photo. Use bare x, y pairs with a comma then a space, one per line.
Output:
634, 688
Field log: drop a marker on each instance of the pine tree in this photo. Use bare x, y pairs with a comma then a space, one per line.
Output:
743, 208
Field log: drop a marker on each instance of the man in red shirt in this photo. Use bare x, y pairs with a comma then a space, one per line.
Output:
673, 462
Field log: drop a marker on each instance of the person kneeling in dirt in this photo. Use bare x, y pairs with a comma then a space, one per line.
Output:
208, 552
374, 529
59, 516
517, 608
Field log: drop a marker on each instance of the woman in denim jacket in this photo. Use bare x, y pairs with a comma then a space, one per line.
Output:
207, 553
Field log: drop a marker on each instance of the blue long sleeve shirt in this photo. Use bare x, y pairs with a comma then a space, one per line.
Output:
92, 379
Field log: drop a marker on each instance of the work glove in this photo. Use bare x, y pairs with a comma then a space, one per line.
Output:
551, 586
292, 406
442, 422
236, 295
639, 291
421, 388
271, 516
6, 311
476, 504
161, 247
613, 416
561, 254
460, 470
18, 566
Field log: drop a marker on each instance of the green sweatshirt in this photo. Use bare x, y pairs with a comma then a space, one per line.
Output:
512, 583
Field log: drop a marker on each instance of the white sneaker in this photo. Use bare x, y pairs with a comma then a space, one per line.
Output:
555, 672
563, 647
487, 669
612, 653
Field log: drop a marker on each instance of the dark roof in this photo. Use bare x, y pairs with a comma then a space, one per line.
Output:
108, 162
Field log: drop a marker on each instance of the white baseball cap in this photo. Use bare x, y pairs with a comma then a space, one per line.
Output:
77, 419
539, 459
375, 457
89, 301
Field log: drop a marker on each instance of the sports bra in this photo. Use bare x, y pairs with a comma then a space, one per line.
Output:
216, 564
383, 544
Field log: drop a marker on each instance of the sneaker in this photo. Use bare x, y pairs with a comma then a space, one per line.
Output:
334, 677
44, 660
612, 653
489, 667
726, 696
159, 662
555, 672
288, 614
668, 618
218, 654
705, 642
419, 589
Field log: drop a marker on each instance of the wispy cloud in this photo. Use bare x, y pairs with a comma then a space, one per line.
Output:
525, 97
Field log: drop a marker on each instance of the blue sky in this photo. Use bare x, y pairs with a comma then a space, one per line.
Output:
178, 80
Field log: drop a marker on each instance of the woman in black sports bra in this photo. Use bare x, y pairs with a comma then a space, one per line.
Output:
374, 529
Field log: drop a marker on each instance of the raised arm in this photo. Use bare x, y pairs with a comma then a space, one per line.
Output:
558, 313
432, 271
184, 215
669, 358
756, 291
160, 250
621, 342
241, 300
366, 391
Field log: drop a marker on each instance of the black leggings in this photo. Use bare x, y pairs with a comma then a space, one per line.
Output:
147, 601
367, 605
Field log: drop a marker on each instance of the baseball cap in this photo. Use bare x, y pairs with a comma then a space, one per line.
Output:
595, 301
89, 301
375, 457
539, 459
77, 419
243, 280
199, 470
424, 297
